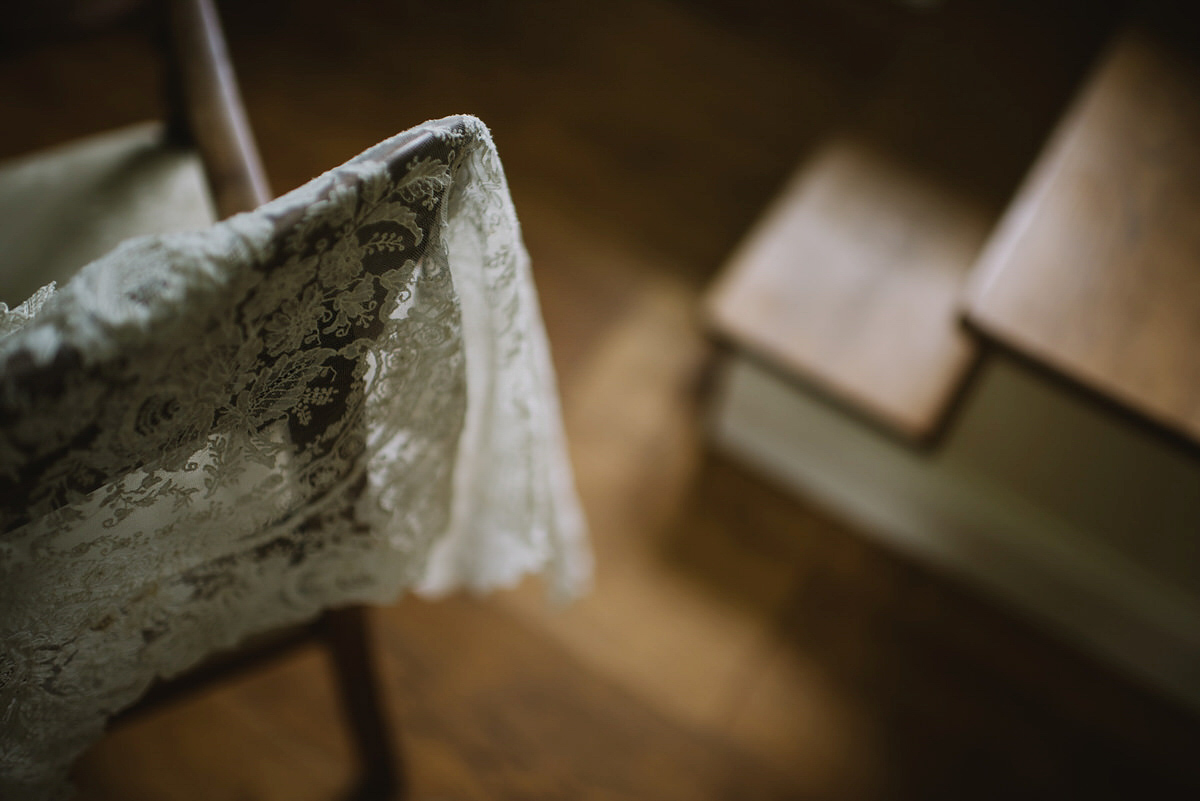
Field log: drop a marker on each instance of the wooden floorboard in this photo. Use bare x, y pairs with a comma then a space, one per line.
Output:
490, 708
739, 644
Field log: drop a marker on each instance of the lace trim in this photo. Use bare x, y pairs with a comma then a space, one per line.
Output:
204, 436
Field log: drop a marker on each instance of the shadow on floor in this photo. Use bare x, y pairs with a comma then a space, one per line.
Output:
960, 699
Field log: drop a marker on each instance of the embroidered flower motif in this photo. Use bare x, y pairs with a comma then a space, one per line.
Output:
341, 263
269, 430
296, 321
354, 307
288, 280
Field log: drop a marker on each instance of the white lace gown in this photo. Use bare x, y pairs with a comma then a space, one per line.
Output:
342, 395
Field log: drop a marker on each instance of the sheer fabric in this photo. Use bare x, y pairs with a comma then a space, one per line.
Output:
204, 436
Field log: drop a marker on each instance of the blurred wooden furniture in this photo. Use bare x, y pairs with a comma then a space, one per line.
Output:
1095, 272
852, 283
833, 635
1024, 355
205, 115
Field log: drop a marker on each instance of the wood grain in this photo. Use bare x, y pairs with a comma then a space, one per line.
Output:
852, 280
204, 84
739, 644
1095, 272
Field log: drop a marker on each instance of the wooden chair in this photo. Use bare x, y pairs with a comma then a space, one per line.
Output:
204, 113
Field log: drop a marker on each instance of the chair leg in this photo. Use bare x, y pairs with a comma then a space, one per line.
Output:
346, 633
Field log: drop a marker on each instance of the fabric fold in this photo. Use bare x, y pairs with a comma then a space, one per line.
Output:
342, 395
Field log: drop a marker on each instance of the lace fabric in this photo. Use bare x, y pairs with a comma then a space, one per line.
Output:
342, 395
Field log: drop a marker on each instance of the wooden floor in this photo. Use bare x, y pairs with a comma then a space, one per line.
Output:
738, 644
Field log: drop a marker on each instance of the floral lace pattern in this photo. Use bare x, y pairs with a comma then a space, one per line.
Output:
205, 436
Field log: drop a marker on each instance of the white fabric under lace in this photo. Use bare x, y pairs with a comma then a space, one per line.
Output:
205, 436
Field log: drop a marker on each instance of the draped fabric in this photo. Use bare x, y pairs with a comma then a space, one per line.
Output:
204, 436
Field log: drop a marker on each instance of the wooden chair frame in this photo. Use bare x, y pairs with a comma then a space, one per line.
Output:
205, 111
